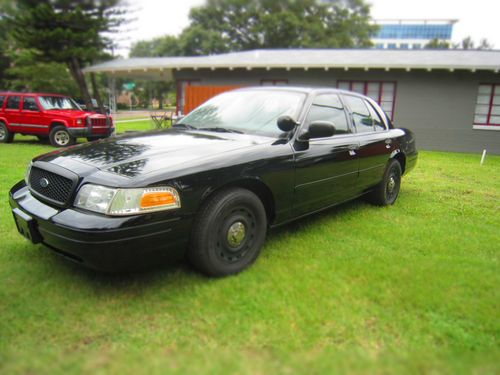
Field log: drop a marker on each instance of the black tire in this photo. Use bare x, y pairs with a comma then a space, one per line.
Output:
217, 247
387, 191
6, 136
59, 137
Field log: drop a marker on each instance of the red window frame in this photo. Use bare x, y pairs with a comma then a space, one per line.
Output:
273, 82
495, 91
380, 90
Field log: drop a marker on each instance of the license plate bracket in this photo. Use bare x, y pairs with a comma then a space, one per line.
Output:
26, 226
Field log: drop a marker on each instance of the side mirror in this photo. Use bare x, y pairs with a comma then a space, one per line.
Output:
286, 123
319, 129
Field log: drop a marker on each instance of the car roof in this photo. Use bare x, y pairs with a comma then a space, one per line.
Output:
302, 89
31, 93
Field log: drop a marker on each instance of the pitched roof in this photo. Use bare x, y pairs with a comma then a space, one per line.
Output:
316, 58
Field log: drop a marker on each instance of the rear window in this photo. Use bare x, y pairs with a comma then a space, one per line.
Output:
2, 100
13, 102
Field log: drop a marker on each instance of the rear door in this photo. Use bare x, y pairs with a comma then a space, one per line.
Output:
12, 112
326, 169
375, 144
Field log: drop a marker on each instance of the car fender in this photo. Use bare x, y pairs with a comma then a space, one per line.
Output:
58, 121
4, 120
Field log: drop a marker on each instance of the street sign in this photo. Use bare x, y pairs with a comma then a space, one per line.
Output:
129, 86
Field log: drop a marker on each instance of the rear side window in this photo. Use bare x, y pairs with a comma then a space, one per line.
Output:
29, 104
377, 121
329, 108
2, 100
13, 102
360, 113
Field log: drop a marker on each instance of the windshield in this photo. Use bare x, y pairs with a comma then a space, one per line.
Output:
249, 112
58, 102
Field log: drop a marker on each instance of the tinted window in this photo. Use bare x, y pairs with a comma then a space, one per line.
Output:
377, 121
360, 113
2, 100
13, 102
329, 108
30, 104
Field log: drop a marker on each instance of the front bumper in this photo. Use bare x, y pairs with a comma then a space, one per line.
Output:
101, 242
91, 132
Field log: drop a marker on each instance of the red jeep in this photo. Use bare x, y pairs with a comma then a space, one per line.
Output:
49, 116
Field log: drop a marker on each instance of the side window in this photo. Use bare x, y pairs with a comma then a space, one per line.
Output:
377, 121
329, 108
2, 100
13, 102
29, 104
360, 113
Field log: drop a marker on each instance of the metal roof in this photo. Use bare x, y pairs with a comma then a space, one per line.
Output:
314, 59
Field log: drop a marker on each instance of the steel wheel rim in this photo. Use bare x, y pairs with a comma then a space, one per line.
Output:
240, 221
392, 186
3, 133
61, 137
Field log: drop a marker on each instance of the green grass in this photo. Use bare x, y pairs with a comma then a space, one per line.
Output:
412, 288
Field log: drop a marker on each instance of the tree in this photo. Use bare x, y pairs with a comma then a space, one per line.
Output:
235, 25
466, 43
437, 44
67, 31
26, 73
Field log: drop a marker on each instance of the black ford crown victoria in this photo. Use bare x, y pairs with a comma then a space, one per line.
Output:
211, 185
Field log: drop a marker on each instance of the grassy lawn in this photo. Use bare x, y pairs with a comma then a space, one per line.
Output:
412, 288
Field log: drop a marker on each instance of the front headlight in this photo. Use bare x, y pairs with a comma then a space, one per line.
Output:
121, 202
79, 121
27, 173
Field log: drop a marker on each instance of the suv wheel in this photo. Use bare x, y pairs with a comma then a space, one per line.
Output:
60, 137
5, 135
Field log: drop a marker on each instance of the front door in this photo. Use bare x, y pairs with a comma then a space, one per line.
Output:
326, 169
32, 117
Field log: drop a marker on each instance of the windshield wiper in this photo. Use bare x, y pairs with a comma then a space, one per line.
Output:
185, 126
221, 130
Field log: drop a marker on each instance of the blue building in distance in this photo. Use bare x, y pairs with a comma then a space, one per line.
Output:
411, 34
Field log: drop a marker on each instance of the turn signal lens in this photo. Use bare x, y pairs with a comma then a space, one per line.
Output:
157, 199
122, 202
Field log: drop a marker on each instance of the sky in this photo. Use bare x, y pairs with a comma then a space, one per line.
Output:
479, 19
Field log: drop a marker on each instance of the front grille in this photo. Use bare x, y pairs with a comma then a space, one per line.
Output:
49, 185
98, 122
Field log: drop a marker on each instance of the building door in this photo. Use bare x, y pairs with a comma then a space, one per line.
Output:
196, 95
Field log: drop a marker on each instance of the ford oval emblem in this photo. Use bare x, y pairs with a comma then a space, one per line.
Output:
44, 182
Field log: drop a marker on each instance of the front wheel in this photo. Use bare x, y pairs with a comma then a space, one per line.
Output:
6, 136
387, 191
60, 137
228, 233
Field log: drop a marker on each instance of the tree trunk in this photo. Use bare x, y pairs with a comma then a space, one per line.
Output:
95, 91
76, 72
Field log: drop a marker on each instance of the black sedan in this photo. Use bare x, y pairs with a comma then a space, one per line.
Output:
211, 186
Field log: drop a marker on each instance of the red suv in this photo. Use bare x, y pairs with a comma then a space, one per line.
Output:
49, 116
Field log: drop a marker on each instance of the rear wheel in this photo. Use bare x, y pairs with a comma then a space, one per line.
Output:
387, 191
6, 136
228, 233
60, 137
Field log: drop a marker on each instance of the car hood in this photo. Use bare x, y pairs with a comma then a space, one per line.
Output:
142, 153
72, 113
